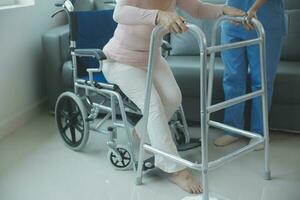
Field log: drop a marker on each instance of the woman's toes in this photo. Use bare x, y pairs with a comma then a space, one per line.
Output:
201, 189
196, 190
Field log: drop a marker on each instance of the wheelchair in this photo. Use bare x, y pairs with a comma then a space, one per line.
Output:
95, 102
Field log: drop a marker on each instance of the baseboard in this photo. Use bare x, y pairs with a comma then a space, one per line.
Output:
20, 119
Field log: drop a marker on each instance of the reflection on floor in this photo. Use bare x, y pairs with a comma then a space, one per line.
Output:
35, 165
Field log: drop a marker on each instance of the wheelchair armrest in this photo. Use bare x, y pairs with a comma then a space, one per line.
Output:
96, 53
166, 45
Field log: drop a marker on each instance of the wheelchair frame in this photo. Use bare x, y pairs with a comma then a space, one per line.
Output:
109, 92
207, 108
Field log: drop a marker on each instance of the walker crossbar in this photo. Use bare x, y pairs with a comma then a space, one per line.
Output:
205, 102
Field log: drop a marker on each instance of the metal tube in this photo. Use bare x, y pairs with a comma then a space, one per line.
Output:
126, 126
107, 116
264, 99
113, 108
185, 126
174, 158
234, 130
234, 101
119, 125
203, 110
74, 62
151, 60
225, 159
233, 45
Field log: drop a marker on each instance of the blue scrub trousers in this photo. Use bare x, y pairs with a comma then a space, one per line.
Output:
238, 62
246, 60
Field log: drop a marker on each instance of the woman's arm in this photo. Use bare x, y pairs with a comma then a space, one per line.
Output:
199, 9
127, 13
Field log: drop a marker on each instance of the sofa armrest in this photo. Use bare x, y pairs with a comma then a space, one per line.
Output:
56, 52
56, 46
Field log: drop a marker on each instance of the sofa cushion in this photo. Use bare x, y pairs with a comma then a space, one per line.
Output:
186, 44
286, 87
291, 45
187, 73
291, 4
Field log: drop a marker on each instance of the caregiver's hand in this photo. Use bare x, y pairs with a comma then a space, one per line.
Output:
234, 12
250, 15
171, 21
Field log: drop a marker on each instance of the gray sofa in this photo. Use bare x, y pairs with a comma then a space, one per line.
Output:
184, 62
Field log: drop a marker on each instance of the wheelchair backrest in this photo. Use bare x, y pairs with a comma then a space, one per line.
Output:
92, 29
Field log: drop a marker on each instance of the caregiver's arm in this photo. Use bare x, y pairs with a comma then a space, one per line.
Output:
252, 11
127, 13
198, 9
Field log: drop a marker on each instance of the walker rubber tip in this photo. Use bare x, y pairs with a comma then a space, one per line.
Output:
138, 181
268, 175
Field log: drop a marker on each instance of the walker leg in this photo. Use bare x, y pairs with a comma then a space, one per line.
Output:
184, 123
204, 124
139, 178
128, 133
265, 109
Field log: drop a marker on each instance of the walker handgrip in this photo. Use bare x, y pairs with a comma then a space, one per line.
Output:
258, 26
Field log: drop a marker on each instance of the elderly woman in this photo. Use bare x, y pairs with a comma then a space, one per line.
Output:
237, 61
126, 66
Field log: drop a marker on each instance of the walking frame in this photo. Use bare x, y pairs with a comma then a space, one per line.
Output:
206, 86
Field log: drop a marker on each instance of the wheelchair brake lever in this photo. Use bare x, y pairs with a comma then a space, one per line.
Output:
58, 4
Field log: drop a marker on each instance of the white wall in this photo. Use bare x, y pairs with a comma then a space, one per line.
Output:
21, 64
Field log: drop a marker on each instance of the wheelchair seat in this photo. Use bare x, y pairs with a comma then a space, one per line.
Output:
98, 77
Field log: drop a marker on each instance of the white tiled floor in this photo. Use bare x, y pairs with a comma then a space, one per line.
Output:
35, 165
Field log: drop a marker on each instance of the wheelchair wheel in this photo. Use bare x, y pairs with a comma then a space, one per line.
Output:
126, 161
71, 120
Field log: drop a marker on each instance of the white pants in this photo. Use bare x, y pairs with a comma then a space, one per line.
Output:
165, 100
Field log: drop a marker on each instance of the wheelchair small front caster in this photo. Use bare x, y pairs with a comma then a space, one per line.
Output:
71, 120
122, 159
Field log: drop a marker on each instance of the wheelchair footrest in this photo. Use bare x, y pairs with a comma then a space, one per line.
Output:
194, 143
149, 163
133, 118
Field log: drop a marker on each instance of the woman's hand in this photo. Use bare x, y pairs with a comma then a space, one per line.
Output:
234, 12
171, 21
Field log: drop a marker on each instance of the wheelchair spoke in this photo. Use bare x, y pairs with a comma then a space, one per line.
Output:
78, 128
73, 134
66, 127
75, 115
64, 114
123, 162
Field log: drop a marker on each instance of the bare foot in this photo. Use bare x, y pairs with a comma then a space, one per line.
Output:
186, 181
259, 147
225, 140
